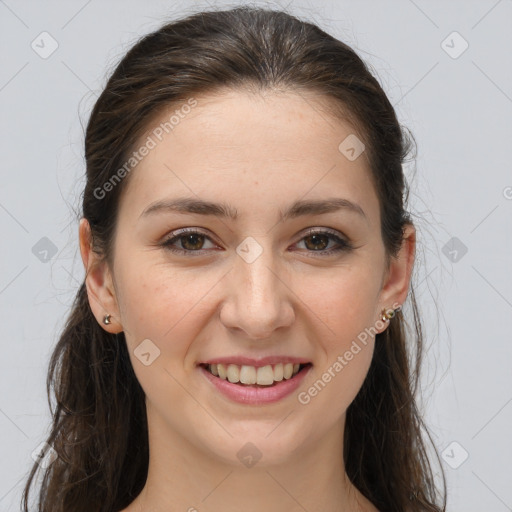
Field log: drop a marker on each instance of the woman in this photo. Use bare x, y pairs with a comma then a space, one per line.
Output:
238, 341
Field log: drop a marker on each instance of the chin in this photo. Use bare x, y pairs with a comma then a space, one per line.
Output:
257, 445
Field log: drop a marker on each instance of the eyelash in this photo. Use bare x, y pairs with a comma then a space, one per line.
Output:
344, 245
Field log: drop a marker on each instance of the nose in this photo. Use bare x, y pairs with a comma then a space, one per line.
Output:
259, 299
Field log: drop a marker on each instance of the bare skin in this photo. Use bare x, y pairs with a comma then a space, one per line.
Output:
259, 155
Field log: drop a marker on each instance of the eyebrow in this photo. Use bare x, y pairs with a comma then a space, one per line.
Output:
297, 209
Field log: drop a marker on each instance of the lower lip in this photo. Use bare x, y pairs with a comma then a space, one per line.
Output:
256, 396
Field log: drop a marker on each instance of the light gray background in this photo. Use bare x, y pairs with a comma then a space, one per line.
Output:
459, 110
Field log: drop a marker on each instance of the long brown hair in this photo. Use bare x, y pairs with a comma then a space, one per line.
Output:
99, 428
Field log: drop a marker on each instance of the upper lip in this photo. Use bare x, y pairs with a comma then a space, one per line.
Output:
257, 362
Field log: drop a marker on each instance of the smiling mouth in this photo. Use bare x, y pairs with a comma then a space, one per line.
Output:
258, 377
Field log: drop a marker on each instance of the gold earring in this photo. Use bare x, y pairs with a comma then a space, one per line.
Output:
106, 319
385, 316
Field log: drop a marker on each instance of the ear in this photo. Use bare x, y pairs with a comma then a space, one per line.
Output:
395, 285
98, 280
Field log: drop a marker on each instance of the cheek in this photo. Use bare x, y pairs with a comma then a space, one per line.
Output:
347, 310
334, 387
162, 305
345, 302
167, 310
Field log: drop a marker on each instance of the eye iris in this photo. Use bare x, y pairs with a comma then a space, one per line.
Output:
192, 237
315, 243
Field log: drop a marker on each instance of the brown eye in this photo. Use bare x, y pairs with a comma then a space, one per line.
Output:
192, 242
318, 242
187, 242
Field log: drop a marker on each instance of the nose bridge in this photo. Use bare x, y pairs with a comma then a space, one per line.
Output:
258, 281
259, 302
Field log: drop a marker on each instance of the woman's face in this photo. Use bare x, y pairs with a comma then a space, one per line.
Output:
255, 290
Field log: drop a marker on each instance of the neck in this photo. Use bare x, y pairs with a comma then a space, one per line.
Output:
183, 477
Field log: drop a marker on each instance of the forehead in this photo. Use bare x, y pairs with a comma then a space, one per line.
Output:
247, 148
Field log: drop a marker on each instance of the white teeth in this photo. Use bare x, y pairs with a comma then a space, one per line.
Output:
264, 375
278, 372
248, 375
222, 371
233, 373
